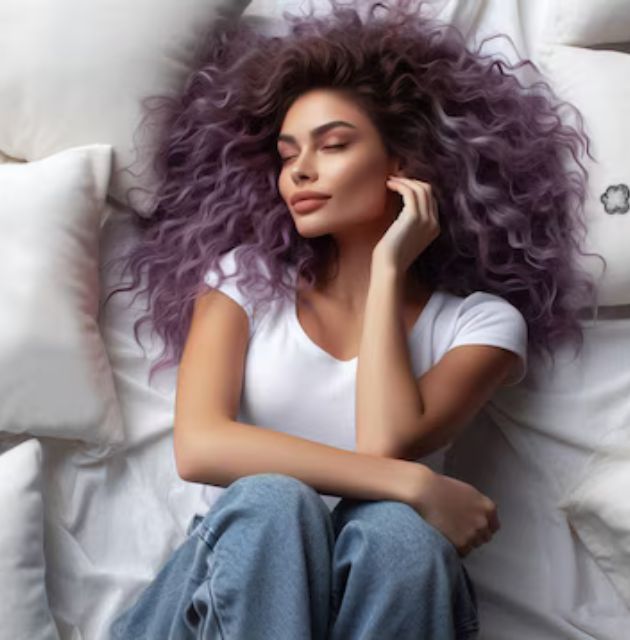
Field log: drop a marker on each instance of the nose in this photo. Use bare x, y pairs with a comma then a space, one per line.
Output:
298, 174
303, 168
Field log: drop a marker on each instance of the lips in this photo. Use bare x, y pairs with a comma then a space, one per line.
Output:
306, 205
308, 195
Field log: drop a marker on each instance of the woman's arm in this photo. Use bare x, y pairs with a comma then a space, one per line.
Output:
220, 454
223, 453
399, 416
388, 402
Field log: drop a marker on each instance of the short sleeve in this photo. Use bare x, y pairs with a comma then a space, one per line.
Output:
485, 318
229, 285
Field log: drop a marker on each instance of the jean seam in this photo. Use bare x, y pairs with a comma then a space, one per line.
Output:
215, 611
207, 534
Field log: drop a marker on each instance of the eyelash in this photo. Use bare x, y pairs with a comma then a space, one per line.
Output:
332, 146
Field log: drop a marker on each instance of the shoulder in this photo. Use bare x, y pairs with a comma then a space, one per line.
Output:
481, 304
225, 276
226, 264
487, 318
478, 305
235, 273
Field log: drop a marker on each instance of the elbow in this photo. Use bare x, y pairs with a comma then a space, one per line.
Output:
195, 452
185, 472
374, 448
420, 447
184, 460
184, 466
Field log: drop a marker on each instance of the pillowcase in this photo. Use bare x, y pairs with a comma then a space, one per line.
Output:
78, 72
24, 608
55, 377
594, 81
584, 22
599, 512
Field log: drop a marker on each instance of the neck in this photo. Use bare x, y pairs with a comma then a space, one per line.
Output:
349, 287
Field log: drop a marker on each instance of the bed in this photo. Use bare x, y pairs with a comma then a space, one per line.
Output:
92, 505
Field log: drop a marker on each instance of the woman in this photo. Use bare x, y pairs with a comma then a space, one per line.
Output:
441, 186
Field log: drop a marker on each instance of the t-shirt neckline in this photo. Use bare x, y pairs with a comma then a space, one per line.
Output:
313, 346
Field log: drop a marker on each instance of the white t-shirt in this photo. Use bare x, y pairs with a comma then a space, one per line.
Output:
292, 385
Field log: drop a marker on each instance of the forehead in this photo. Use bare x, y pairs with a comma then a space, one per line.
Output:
318, 107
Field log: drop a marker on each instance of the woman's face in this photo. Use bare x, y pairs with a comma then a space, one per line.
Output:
348, 162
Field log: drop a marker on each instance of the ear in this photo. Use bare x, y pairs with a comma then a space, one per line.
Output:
396, 168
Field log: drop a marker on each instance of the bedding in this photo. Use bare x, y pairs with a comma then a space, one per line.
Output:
114, 507
24, 608
51, 216
79, 73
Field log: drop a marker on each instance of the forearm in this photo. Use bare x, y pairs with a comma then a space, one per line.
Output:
388, 403
218, 455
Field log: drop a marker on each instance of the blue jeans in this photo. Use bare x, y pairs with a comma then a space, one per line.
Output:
270, 561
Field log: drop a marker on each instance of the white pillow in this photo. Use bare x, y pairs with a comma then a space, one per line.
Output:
584, 22
596, 83
24, 608
78, 71
55, 377
598, 510
464, 14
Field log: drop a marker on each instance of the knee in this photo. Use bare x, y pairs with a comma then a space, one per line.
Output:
278, 484
394, 529
276, 492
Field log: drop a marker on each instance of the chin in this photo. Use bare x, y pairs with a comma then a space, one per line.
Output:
311, 233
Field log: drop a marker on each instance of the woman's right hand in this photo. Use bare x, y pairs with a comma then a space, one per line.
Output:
460, 512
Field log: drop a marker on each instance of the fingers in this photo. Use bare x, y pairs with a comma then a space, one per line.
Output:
484, 533
480, 539
420, 193
483, 537
491, 514
409, 194
493, 520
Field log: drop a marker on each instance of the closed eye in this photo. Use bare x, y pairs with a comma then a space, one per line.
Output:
331, 146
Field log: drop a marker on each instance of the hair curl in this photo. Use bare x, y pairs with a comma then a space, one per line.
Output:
496, 153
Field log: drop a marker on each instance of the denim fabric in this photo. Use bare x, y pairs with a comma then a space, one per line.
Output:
269, 561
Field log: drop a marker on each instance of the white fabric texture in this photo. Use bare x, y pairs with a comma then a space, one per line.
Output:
584, 22
595, 82
79, 71
282, 360
598, 515
55, 377
546, 573
24, 609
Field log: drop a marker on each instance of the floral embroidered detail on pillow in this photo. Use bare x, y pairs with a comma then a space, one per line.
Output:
616, 199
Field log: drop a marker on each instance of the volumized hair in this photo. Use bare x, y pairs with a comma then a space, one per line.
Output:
503, 165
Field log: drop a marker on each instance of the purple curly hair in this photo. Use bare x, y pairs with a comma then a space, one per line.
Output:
496, 153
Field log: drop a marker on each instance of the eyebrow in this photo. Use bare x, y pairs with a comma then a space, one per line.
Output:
317, 131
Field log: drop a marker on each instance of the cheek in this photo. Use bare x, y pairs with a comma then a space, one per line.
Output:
365, 187
281, 184
358, 174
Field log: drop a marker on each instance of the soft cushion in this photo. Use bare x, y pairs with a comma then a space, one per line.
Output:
79, 70
24, 610
594, 81
55, 377
584, 22
598, 510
